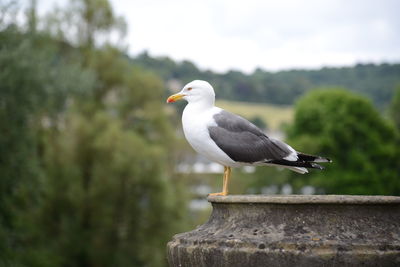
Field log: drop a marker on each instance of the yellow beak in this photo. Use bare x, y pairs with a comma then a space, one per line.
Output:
175, 97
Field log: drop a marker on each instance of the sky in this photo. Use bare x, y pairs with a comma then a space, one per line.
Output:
273, 35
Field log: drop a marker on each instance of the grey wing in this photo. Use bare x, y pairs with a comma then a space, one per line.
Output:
242, 141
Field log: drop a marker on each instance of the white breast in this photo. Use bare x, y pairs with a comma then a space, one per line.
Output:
195, 124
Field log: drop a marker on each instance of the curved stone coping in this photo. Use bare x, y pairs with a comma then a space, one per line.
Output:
305, 199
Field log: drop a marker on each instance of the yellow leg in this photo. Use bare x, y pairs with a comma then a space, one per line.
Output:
227, 174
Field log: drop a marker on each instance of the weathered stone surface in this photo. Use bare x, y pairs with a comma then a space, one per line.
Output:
293, 230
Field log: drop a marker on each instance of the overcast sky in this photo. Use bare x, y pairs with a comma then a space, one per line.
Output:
273, 35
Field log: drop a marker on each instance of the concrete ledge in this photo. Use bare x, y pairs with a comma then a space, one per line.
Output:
293, 230
305, 199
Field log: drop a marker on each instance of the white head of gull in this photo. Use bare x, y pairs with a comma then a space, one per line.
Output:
231, 140
198, 93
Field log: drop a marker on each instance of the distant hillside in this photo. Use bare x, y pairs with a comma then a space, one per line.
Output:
281, 88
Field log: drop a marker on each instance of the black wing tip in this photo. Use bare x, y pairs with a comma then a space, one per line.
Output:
301, 164
312, 158
323, 159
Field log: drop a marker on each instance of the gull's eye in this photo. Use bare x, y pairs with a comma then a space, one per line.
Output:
190, 88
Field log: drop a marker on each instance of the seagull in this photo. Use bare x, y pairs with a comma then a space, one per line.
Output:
231, 140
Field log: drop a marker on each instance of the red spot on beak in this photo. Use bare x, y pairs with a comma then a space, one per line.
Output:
175, 97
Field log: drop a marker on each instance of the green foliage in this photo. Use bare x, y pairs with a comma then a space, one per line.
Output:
116, 151
394, 109
33, 89
84, 23
346, 128
110, 201
283, 87
85, 164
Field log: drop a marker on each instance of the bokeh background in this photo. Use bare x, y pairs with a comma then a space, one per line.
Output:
94, 168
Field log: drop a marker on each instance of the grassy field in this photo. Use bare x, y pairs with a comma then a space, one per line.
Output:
273, 116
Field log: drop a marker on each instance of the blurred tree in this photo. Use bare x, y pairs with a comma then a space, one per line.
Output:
345, 127
86, 23
110, 200
394, 109
85, 164
32, 17
33, 90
